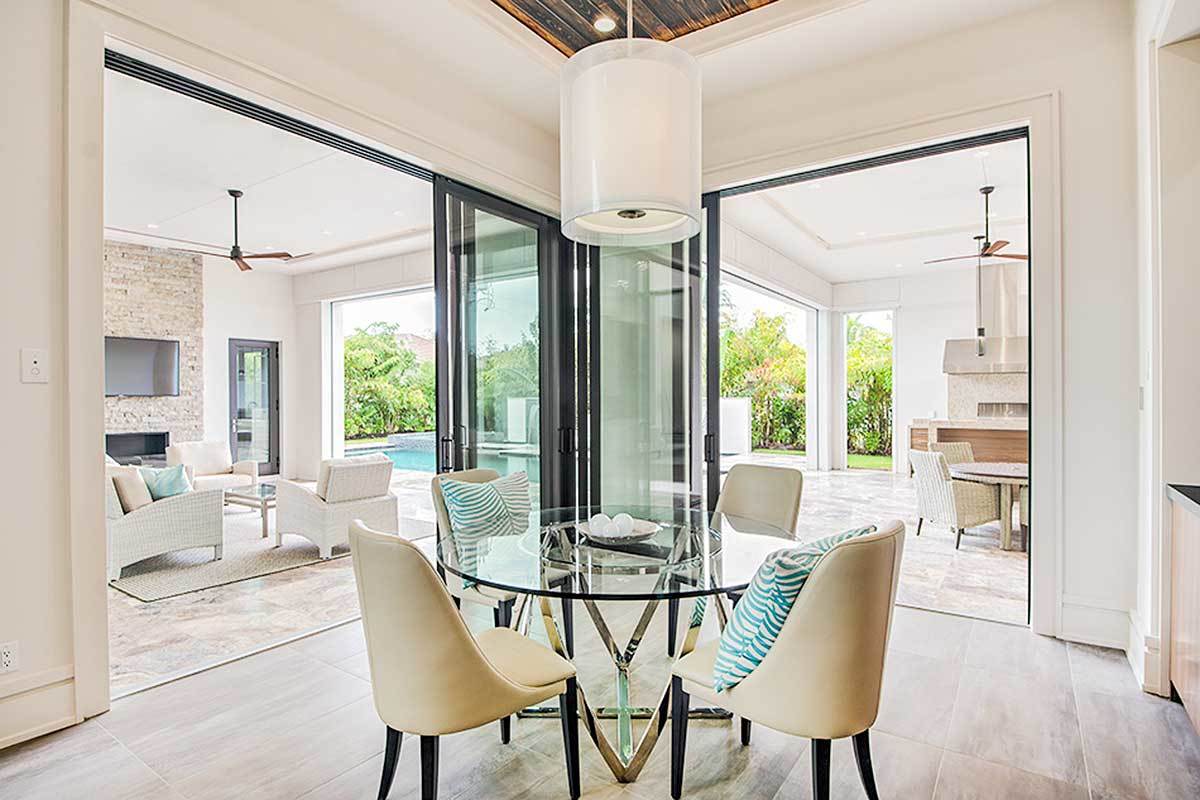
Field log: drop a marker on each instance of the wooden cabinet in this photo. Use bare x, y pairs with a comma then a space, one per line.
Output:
1185, 599
990, 440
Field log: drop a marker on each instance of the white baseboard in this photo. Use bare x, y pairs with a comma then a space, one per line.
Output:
1145, 658
37, 712
1087, 623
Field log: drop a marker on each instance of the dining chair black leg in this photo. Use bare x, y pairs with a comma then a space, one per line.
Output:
568, 707
958, 538
820, 769
429, 767
502, 614
679, 722
672, 623
505, 730
391, 755
568, 627
920, 522
862, 756
745, 732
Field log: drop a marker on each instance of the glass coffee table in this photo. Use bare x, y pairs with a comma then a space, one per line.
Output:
689, 555
260, 496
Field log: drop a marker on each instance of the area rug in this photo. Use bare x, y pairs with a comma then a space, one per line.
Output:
247, 555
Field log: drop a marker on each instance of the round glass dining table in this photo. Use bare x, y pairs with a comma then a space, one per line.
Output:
682, 553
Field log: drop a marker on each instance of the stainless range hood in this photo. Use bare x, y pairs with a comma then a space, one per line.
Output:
1000, 354
1001, 309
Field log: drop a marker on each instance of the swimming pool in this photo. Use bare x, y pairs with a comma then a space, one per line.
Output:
415, 451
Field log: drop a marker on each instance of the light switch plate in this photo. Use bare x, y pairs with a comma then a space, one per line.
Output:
35, 365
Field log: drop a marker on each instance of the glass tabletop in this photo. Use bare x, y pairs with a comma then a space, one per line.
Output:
259, 491
681, 553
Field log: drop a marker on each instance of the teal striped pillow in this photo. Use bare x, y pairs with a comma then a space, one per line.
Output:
478, 511
759, 615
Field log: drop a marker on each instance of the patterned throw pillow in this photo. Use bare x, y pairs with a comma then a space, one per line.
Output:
166, 482
478, 511
759, 615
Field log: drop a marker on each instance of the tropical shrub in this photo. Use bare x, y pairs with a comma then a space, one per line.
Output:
868, 389
387, 390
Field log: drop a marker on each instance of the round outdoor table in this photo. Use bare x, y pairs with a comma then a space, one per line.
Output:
1005, 474
692, 554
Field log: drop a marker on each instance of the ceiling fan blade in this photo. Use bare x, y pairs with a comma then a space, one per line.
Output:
270, 255
1013, 256
198, 252
242, 265
953, 258
997, 245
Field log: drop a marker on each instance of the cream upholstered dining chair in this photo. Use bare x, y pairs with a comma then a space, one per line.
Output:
430, 676
945, 501
500, 601
770, 495
822, 677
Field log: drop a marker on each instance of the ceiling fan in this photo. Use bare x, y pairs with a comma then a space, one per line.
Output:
987, 248
235, 252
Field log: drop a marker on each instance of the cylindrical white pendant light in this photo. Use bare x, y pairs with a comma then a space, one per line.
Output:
630, 133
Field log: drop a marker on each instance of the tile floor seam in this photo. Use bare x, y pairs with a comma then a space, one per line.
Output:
172, 787
937, 778
309, 792
1087, 771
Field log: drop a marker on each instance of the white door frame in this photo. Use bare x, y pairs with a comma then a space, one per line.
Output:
1040, 113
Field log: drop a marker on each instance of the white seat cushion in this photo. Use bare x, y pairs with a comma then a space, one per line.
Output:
226, 481
205, 458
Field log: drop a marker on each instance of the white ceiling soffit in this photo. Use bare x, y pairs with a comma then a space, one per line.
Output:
169, 160
759, 48
887, 221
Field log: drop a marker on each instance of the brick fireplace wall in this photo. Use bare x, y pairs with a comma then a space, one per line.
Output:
155, 293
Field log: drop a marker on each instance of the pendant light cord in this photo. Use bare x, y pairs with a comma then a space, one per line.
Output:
629, 19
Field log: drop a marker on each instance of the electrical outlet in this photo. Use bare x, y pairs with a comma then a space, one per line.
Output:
9, 657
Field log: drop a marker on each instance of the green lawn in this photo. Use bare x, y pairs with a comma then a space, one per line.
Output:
769, 451
857, 461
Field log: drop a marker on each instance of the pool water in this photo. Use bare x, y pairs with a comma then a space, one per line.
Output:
423, 459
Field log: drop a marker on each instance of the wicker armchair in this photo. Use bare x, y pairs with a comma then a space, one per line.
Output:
945, 501
955, 452
209, 465
347, 489
192, 519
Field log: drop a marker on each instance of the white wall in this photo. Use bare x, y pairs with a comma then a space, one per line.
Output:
933, 308
35, 599
927, 309
247, 305
409, 106
1082, 51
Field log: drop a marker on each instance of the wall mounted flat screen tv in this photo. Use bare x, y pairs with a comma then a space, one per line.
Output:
140, 367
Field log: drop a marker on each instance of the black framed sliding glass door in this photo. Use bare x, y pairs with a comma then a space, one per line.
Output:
648, 350
254, 403
499, 352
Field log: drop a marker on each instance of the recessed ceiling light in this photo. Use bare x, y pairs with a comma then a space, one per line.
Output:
398, 213
151, 225
605, 24
899, 266
982, 154
815, 184
862, 233
327, 233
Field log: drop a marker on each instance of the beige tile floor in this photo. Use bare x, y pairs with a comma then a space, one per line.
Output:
150, 642
970, 709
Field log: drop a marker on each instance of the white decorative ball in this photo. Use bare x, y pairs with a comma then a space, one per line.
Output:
624, 523
611, 531
598, 522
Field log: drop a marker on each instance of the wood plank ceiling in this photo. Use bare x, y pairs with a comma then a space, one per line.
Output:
570, 25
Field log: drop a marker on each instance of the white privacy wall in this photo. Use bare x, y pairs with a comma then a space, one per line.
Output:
927, 310
247, 305
1082, 51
